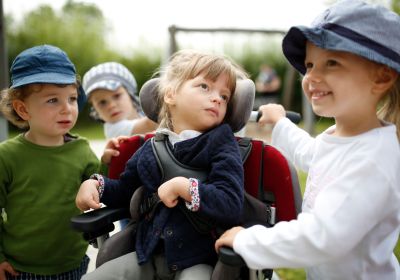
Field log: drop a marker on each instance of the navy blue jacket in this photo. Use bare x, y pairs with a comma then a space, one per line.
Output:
221, 197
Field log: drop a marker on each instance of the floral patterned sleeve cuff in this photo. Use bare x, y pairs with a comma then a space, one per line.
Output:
194, 205
100, 187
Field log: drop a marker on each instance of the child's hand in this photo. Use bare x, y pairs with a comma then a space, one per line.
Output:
170, 191
88, 195
111, 149
226, 239
271, 113
6, 267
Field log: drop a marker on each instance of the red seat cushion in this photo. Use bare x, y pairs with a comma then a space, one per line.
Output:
126, 149
277, 179
265, 166
252, 168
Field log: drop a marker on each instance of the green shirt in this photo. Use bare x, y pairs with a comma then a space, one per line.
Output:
38, 186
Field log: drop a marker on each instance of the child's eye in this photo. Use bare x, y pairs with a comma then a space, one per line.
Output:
309, 65
102, 103
52, 100
116, 96
225, 97
73, 99
204, 86
331, 62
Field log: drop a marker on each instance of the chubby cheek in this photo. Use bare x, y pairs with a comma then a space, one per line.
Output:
305, 87
101, 111
223, 111
75, 114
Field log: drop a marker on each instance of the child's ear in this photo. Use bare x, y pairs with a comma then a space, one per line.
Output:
20, 108
384, 79
169, 97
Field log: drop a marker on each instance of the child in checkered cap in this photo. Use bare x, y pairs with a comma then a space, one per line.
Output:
350, 59
111, 90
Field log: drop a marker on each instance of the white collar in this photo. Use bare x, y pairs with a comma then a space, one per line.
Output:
175, 138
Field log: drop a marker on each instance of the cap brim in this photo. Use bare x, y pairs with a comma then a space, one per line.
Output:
51, 78
110, 85
44, 78
294, 46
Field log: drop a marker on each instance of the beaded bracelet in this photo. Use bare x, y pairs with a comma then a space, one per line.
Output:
100, 187
194, 205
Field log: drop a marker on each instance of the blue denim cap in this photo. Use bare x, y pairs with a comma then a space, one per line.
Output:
370, 31
110, 76
45, 64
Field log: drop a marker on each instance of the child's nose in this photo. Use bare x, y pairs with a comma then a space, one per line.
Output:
67, 107
112, 103
216, 97
313, 75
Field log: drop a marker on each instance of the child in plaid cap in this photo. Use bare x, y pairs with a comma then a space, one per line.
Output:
111, 90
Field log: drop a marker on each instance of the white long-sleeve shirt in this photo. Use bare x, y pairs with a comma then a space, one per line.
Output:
120, 128
351, 208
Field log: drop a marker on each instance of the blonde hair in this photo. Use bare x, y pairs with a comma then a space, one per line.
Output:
11, 94
188, 64
390, 110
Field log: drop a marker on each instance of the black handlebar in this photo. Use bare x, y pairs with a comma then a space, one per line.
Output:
293, 116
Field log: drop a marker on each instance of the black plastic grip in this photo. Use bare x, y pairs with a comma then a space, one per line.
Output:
228, 256
293, 116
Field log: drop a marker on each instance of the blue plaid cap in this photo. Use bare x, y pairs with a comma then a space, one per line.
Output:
45, 64
370, 31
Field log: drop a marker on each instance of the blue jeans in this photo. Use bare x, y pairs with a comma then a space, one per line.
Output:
75, 274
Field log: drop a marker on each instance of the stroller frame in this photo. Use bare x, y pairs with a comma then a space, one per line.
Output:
268, 177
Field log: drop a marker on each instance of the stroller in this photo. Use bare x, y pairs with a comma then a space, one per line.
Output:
271, 185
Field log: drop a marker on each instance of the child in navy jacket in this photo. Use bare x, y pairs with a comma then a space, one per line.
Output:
195, 94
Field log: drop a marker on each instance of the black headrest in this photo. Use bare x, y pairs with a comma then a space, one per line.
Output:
242, 102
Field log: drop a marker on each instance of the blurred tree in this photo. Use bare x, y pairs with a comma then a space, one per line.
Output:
81, 30
78, 29
396, 6
142, 65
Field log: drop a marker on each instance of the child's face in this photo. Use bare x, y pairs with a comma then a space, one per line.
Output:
200, 104
51, 112
113, 106
339, 84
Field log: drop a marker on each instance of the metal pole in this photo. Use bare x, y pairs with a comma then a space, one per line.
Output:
288, 86
3, 71
172, 40
308, 116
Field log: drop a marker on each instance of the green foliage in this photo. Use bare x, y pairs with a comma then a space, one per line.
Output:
142, 65
291, 274
78, 29
81, 30
396, 6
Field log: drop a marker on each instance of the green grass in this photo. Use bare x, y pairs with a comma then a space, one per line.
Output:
91, 131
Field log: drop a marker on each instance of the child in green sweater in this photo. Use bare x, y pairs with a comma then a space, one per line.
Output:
41, 170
